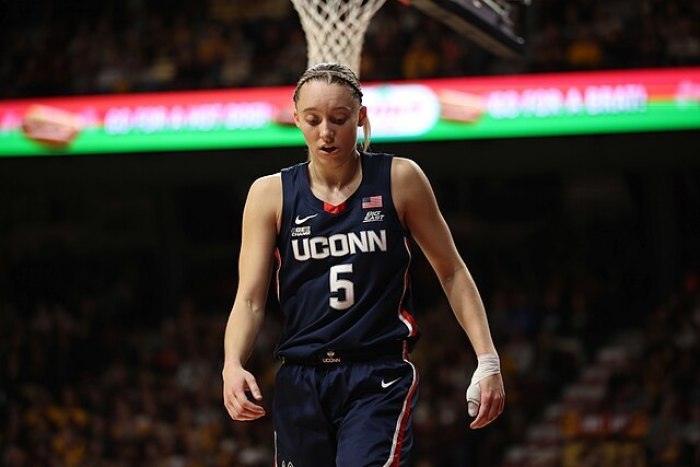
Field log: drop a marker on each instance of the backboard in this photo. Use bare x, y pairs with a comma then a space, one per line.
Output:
488, 23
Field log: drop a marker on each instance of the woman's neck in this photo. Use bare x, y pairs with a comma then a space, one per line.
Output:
335, 182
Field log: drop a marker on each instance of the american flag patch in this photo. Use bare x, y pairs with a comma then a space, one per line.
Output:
373, 202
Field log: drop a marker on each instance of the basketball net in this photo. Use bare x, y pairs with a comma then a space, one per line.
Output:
335, 29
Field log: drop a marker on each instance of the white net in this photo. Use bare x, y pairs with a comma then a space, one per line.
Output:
335, 29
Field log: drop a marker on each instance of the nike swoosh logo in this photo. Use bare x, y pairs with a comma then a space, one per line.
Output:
301, 220
386, 384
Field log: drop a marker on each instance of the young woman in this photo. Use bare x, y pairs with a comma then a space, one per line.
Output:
337, 227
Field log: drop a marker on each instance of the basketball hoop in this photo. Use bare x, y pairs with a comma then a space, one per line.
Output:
335, 29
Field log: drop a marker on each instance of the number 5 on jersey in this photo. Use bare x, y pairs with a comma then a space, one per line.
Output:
345, 285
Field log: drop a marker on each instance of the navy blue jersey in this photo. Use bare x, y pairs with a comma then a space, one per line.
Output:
343, 271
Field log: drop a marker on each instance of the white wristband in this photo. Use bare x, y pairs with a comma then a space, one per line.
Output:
489, 364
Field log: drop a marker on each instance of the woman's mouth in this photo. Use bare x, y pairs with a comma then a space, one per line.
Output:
328, 149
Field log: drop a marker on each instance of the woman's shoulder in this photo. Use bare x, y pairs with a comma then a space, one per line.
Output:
267, 181
265, 197
263, 187
294, 167
404, 169
397, 161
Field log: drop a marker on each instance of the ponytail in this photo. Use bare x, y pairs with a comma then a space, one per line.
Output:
366, 134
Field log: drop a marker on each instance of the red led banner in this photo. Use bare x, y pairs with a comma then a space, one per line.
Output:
440, 109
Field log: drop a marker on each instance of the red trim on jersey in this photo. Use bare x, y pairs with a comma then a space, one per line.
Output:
404, 315
334, 209
404, 351
278, 257
395, 462
274, 434
409, 317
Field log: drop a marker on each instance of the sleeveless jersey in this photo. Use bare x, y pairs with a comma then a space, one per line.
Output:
343, 271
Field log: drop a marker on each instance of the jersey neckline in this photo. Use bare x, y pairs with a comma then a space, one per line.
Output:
322, 206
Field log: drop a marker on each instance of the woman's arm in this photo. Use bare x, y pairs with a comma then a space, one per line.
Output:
260, 222
418, 209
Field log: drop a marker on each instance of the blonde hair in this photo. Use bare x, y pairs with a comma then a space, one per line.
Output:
335, 73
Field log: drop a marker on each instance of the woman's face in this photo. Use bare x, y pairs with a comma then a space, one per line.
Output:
328, 116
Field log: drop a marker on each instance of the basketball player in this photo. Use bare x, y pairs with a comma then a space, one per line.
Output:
338, 229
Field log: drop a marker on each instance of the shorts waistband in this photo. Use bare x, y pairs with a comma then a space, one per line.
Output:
333, 357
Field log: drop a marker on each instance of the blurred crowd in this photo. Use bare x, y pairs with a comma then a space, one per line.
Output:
94, 391
636, 404
86, 47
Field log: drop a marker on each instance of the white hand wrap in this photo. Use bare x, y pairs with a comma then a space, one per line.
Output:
489, 364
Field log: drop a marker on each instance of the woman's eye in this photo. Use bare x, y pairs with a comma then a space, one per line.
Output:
334, 120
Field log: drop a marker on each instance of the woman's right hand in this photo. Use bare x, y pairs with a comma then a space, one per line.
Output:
238, 383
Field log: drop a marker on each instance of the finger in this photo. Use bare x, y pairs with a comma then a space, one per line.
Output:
473, 399
482, 419
235, 403
496, 408
244, 412
247, 416
234, 409
499, 398
492, 405
253, 386
245, 406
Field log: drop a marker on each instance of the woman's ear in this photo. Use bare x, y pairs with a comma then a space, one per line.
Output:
362, 117
296, 119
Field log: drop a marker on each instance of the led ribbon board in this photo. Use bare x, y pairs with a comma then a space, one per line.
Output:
430, 110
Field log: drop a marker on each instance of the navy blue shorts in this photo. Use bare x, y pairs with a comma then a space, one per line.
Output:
345, 415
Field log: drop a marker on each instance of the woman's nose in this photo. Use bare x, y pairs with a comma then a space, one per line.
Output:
326, 132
